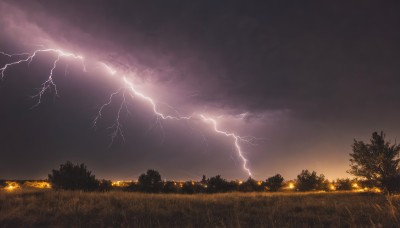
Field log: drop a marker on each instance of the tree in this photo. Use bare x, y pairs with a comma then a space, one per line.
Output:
377, 162
73, 177
344, 184
150, 182
250, 185
170, 187
274, 183
203, 180
217, 184
105, 185
190, 187
307, 181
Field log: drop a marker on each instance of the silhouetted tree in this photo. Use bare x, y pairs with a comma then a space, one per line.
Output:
307, 181
376, 162
233, 186
203, 180
250, 185
323, 184
274, 183
190, 187
73, 177
132, 187
344, 184
170, 187
217, 184
105, 185
150, 182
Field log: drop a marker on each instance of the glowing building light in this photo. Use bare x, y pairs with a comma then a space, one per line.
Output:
11, 186
377, 190
120, 183
37, 184
332, 187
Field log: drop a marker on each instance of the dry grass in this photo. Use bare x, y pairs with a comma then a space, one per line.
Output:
115, 209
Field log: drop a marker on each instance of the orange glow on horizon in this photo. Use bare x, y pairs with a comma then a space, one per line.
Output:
121, 183
11, 186
37, 184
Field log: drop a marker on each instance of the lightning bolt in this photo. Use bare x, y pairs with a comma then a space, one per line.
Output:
49, 83
235, 137
127, 89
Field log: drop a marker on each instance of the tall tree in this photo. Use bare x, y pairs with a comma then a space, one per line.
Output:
376, 162
150, 181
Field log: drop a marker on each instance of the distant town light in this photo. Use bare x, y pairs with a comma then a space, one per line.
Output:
11, 186
332, 187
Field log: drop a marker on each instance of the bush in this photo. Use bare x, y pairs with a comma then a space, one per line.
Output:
105, 185
150, 182
170, 187
250, 186
73, 177
217, 184
344, 184
307, 181
274, 183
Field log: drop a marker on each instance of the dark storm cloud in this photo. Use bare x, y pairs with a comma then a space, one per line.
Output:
255, 56
330, 65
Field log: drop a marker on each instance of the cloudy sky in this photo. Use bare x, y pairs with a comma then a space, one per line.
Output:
303, 78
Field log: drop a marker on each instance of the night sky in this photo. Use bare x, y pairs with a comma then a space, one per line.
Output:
304, 77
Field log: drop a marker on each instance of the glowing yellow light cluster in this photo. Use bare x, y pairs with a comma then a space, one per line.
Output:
37, 184
377, 190
291, 185
11, 186
332, 187
120, 183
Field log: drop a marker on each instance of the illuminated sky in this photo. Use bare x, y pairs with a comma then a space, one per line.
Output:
306, 79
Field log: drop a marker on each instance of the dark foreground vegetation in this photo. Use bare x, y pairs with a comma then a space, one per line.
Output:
375, 166
115, 209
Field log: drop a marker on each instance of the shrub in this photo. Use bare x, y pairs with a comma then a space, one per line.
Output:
308, 181
73, 177
344, 184
150, 182
217, 184
274, 183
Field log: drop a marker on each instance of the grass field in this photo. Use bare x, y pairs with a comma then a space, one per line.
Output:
79, 209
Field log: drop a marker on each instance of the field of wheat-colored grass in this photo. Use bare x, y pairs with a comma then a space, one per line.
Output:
115, 209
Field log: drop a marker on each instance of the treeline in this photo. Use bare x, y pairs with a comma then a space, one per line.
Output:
151, 182
77, 177
374, 164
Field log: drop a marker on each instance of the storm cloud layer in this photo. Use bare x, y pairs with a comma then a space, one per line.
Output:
305, 77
